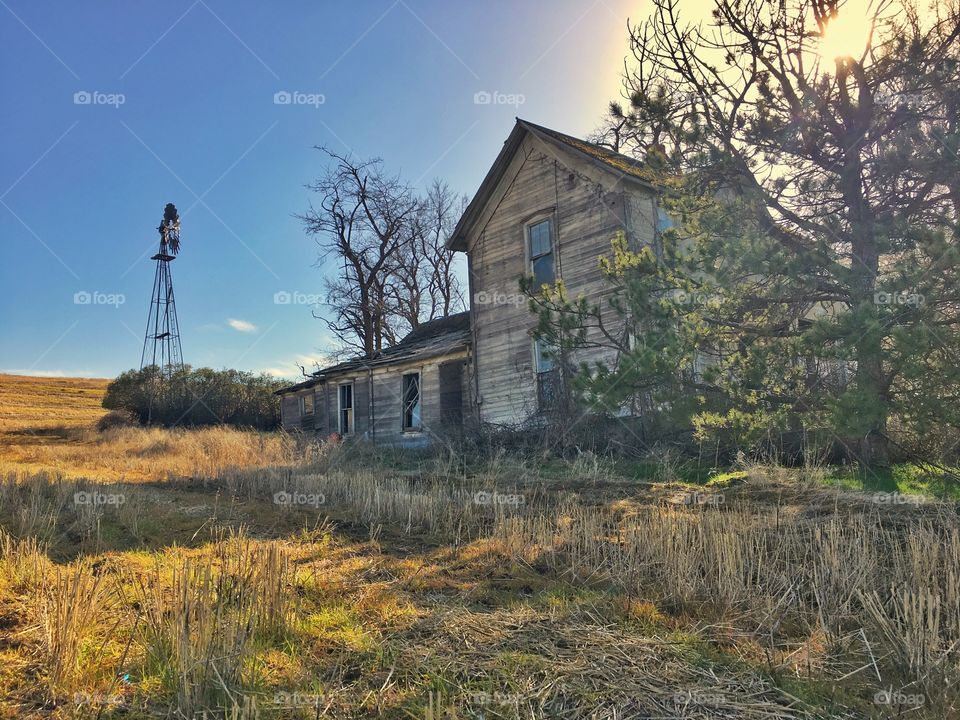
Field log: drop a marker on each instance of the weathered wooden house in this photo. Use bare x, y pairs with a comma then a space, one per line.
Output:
549, 206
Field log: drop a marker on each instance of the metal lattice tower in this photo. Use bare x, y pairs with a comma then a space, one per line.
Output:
161, 346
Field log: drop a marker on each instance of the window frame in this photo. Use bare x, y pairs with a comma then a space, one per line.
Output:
538, 356
403, 402
538, 219
353, 408
302, 404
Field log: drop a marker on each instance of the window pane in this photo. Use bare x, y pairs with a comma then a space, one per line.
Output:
411, 401
539, 238
543, 270
346, 409
664, 221
544, 363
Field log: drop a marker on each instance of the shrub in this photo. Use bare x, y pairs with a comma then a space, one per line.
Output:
116, 419
196, 397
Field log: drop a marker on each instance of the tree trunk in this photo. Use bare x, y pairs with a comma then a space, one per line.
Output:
865, 263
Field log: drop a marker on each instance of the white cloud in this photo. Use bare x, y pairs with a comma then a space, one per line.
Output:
241, 325
284, 373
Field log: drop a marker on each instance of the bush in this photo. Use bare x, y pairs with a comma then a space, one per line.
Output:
116, 419
196, 397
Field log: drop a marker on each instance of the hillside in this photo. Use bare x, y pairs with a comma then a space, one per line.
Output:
36, 402
50, 424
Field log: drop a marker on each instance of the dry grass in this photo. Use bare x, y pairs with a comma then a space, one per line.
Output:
557, 607
50, 424
356, 584
37, 402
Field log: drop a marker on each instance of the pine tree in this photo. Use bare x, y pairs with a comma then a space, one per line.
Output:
813, 267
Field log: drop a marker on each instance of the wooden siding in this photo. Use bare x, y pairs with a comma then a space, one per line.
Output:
289, 412
588, 207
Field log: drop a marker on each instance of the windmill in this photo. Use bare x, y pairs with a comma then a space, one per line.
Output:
161, 346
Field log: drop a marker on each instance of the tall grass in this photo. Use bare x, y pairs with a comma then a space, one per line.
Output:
801, 579
898, 581
202, 623
70, 611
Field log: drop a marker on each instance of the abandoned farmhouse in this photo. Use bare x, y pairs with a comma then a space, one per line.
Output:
548, 207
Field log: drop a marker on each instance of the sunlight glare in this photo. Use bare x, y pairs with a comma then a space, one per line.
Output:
848, 34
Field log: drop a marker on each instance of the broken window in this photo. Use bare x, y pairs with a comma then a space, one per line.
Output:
543, 355
548, 375
664, 221
411, 401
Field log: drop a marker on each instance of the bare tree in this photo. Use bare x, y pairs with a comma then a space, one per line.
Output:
393, 270
426, 285
363, 222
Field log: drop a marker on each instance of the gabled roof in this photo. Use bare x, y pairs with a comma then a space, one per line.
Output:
431, 339
623, 166
618, 162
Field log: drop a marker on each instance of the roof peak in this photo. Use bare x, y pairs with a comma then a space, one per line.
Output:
614, 164
602, 153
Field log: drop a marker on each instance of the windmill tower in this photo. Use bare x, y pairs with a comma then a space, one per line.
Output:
161, 346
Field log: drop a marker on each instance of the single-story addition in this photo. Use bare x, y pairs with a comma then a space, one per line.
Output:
410, 394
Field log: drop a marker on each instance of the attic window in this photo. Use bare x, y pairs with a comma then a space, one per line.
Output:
411, 401
540, 245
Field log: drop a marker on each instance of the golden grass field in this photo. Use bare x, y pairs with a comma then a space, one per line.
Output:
49, 424
223, 574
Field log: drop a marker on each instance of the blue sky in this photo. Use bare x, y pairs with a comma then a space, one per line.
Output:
181, 109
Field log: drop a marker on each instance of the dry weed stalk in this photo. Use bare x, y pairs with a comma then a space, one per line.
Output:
70, 613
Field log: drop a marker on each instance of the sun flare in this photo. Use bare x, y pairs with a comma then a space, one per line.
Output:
848, 34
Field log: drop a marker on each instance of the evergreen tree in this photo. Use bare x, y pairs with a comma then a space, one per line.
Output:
811, 279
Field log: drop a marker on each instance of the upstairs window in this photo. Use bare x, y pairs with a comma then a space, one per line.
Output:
411, 401
306, 405
346, 409
540, 248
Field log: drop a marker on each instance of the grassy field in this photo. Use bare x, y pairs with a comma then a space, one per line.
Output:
213, 573
50, 425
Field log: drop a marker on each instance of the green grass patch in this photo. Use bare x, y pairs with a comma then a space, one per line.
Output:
339, 625
905, 479
685, 471
726, 479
